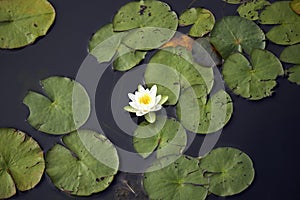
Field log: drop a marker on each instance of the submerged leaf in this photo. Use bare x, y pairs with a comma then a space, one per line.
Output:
199, 115
288, 31
182, 40
21, 162
234, 34
294, 74
202, 20
65, 109
181, 179
86, 164
167, 136
154, 22
230, 171
173, 70
249, 10
253, 80
22, 22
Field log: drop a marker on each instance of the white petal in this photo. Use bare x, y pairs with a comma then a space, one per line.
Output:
157, 99
141, 88
134, 105
131, 96
140, 113
156, 108
153, 90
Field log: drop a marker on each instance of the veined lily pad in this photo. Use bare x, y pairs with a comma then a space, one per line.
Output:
252, 80
291, 54
249, 10
230, 171
66, 108
295, 5
200, 115
21, 22
85, 165
21, 162
154, 22
288, 31
294, 74
235, 34
181, 71
181, 179
167, 136
106, 44
202, 20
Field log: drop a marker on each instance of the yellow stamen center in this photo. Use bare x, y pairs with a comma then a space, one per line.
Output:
145, 99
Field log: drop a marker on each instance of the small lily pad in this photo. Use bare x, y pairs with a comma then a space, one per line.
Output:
235, 1
66, 108
253, 80
181, 71
249, 10
85, 164
230, 171
199, 115
21, 22
236, 34
107, 44
202, 20
295, 5
167, 136
181, 179
291, 54
288, 30
21, 162
294, 74
154, 21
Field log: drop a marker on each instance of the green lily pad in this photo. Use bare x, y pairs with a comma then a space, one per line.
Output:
288, 30
230, 171
236, 34
181, 179
199, 115
173, 70
107, 44
21, 162
291, 54
85, 164
21, 22
295, 5
253, 80
65, 109
249, 10
235, 1
202, 20
294, 74
154, 22
167, 136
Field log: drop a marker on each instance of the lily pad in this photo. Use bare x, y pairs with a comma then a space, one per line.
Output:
295, 5
85, 164
166, 136
181, 71
236, 34
253, 80
181, 179
294, 74
65, 109
249, 10
202, 20
291, 54
199, 115
21, 22
235, 1
288, 30
21, 162
107, 44
230, 171
154, 21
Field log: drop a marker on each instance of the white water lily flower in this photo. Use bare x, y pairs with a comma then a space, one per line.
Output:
145, 102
